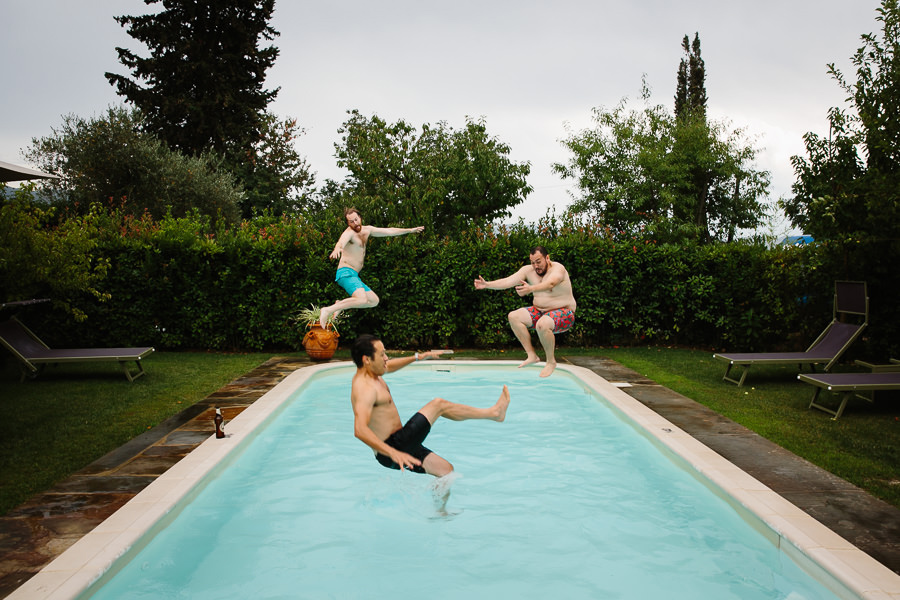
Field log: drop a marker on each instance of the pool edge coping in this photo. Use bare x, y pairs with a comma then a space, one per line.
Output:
800, 536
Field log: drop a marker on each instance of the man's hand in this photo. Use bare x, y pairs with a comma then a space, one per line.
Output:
336, 253
406, 461
480, 283
523, 289
418, 229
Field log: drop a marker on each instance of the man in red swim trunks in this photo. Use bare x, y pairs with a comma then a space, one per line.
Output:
554, 305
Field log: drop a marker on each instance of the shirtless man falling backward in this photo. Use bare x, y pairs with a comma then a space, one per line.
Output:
554, 305
376, 421
351, 249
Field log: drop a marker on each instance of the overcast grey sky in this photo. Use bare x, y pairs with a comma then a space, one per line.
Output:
529, 68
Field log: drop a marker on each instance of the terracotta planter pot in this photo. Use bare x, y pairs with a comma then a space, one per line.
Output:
319, 343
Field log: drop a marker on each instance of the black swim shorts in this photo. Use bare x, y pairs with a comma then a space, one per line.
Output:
408, 439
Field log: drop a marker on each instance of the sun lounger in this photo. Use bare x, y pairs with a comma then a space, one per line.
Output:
850, 298
849, 384
33, 354
892, 367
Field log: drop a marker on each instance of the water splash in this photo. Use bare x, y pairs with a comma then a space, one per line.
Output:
440, 492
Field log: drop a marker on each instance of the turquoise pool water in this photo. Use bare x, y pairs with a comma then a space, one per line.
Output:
563, 500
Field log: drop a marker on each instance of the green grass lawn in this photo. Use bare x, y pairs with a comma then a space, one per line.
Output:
74, 414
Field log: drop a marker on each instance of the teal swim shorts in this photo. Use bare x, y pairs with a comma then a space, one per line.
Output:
349, 279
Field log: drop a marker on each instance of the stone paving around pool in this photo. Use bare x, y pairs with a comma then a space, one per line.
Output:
35, 533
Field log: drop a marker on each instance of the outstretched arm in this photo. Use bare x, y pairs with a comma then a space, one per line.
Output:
395, 364
513, 280
394, 231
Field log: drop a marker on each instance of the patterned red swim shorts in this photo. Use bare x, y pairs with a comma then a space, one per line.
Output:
562, 319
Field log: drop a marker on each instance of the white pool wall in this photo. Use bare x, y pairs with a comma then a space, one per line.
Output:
842, 567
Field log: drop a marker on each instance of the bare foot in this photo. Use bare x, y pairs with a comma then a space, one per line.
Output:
323, 316
502, 405
548, 369
333, 316
532, 358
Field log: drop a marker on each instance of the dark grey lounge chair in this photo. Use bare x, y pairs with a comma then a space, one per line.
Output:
33, 354
848, 384
850, 298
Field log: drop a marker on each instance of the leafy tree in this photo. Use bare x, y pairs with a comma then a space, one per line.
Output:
678, 178
614, 166
204, 77
442, 177
720, 190
110, 160
275, 176
848, 185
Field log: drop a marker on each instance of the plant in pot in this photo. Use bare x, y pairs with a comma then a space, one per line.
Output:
319, 343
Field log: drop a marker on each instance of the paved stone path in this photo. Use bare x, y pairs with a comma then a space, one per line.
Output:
35, 533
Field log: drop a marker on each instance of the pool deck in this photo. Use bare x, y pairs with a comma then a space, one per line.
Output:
36, 532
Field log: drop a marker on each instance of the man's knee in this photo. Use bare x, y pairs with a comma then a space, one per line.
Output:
373, 299
439, 403
545, 324
516, 318
434, 409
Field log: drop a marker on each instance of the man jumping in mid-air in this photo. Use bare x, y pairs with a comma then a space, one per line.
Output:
351, 250
554, 305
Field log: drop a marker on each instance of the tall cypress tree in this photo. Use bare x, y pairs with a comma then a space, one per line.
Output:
690, 93
693, 142
201, 88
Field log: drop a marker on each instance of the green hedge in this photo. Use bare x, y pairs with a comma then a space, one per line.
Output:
186, 284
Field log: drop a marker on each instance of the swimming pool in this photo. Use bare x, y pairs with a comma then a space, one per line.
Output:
342, 526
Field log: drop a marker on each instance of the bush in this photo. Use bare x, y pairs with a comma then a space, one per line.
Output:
190, 282
38, 260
